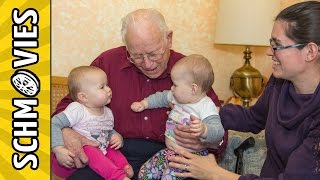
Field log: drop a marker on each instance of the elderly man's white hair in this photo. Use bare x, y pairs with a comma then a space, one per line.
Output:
143, 15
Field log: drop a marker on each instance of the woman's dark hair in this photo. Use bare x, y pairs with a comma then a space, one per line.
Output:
303, 22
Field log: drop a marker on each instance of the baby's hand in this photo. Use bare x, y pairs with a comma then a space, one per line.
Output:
64, 156
116, 141
197, 127
139, 106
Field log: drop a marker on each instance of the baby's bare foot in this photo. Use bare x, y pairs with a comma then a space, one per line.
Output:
128, 170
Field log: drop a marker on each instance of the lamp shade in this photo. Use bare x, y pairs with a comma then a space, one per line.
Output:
245, 22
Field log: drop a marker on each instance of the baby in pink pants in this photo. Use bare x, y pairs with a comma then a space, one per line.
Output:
88, 115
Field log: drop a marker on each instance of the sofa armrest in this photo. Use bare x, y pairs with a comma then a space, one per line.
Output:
59, 89
253, 158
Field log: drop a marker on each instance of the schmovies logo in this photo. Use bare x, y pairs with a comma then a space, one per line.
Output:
24, 119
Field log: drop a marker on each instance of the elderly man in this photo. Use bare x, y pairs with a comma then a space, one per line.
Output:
136, 70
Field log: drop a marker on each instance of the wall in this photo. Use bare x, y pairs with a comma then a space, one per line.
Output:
82, 29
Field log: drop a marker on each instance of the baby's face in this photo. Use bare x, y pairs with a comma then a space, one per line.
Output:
182, 86
97, 89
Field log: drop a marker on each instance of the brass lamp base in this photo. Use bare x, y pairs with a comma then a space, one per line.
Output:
245, 101
247, 82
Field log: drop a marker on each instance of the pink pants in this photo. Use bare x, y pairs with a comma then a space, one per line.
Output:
109, 166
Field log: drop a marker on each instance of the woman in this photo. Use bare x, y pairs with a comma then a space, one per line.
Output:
288, 110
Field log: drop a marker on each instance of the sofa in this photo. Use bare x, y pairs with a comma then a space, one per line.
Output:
59, 89
253, 157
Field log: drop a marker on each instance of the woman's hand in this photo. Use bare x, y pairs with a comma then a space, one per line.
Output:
74, 143
199, 167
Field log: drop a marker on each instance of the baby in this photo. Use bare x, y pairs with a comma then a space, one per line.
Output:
89, 116
192, 78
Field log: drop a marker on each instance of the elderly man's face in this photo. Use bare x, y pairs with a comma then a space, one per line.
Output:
148, 49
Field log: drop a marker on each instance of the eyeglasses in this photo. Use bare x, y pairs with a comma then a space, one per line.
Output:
276, 48
138, 59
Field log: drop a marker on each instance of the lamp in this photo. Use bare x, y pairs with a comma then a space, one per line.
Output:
247, 23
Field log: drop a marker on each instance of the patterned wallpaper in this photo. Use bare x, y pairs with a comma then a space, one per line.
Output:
82, 29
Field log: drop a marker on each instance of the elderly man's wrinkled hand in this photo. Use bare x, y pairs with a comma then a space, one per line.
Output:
74, 143
184, 137
64, 156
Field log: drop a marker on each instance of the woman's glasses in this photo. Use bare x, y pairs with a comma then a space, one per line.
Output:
277, 48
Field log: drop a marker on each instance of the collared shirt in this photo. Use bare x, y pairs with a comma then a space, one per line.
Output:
128, 85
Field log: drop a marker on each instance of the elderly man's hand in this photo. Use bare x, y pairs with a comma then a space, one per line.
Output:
184, 137
74, 143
